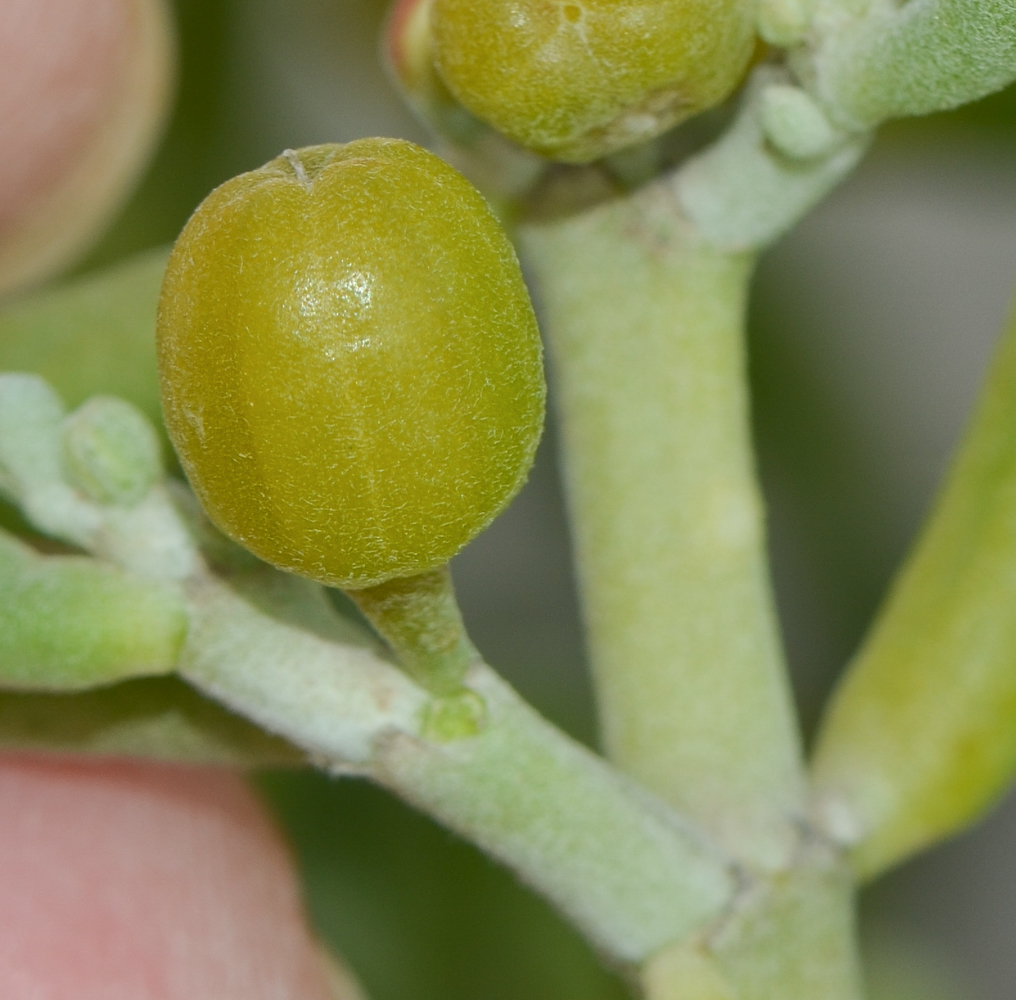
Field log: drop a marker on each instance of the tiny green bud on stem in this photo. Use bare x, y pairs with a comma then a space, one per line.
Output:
794, 124
111, 451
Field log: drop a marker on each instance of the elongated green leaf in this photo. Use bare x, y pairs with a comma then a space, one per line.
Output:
68, 622
921, 736
94, 335
160, 718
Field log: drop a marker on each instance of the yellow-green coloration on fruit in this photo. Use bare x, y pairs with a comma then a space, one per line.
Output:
351, 368
577, 79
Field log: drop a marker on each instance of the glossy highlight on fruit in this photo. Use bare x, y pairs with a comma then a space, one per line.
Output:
578, 79
350, 365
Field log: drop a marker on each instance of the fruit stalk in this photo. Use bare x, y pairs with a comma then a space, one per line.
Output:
420, 619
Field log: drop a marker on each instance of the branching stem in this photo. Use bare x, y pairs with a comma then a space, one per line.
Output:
620, 865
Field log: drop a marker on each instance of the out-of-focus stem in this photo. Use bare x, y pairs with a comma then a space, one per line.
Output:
790, 938
920, 738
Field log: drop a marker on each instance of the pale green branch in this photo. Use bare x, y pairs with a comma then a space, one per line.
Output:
744, 192
270, 647
619, 864
645, 326
331, 697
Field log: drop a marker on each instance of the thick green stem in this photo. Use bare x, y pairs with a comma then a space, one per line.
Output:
645, 325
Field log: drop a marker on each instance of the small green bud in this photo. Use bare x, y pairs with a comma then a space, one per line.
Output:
794, 124
455, 717
784, 22
577, 79
111, 451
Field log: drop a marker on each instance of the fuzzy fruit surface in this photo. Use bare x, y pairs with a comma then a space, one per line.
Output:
350, 365
577, 79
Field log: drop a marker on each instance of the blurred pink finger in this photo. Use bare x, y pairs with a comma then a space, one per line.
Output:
135, 881
84, 87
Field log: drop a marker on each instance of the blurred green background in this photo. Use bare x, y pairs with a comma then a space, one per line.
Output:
870, 328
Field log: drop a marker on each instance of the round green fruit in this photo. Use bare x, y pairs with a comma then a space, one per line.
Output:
351, 369
578, 79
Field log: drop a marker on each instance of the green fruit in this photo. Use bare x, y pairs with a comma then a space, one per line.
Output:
577, 80
351, 368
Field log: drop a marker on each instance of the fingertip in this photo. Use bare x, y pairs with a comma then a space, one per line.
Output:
148, 882
84, 87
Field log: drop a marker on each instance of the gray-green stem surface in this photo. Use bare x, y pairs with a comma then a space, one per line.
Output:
645, 329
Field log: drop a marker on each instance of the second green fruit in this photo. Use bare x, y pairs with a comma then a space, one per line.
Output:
578, 79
